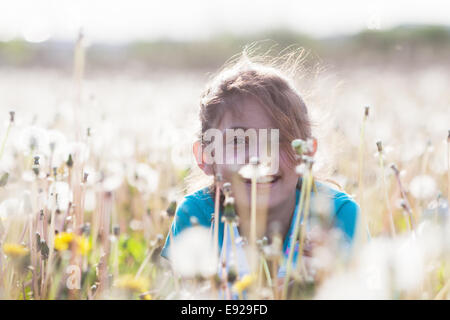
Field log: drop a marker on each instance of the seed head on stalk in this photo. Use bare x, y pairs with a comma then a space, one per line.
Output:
303, 152
253, 171
36, 166
385, 190
230, 219
404, 201
217, 182
448, 166
363, 221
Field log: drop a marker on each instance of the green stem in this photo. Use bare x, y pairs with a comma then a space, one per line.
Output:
4, 140
253, 224
293, 240
305, 219
386, 197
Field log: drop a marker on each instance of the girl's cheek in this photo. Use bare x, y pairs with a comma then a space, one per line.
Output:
286, 164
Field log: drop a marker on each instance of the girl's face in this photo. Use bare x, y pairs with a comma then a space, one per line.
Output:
282, 184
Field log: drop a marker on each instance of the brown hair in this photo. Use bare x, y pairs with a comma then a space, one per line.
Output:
270, 82
269, 87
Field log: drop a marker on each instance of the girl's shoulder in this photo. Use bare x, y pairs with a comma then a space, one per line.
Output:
197, 205
345, 209
340, 198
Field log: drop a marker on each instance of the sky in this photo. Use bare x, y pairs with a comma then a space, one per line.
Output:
117, 21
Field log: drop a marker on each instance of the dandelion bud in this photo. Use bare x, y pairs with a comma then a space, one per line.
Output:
366, 111
172, 209
38, 241
44, 249
395, 169
4, 179
11, 116
229, 213
227, 188
86, 229
380, 146
403, 205
232, 275
69, 161
88, 132
298, 145
35, 166
265, 241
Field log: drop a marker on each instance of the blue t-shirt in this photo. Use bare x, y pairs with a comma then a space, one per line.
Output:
200, 205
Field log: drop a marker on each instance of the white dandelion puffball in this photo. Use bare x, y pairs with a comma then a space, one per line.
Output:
34, 139
422, 187
59, 196
143, 177
113, 175
192, 253
9, 207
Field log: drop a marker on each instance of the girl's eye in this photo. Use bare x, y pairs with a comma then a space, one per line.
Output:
237, 141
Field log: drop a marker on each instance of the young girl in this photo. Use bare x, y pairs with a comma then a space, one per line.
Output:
250, 95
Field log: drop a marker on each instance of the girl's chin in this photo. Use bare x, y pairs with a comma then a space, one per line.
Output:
266, 193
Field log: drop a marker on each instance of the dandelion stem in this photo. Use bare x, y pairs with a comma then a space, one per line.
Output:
293, 239
385, 190
363, 223
405, 202
253, 223
448, 166
304, 219
216, 214
267, 272
144, 263
233, 248
4, 139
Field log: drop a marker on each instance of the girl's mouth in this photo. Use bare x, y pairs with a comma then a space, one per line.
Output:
264, 180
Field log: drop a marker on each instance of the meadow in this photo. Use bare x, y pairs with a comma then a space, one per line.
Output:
92, 164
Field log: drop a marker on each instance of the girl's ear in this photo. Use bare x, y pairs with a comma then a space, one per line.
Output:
199, 158
314, 145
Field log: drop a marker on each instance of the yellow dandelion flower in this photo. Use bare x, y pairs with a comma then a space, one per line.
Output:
244, 283
14, 250
129, 282
62, 240
146, 296
83, 245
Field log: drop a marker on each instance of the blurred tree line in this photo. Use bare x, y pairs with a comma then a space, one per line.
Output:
406, 45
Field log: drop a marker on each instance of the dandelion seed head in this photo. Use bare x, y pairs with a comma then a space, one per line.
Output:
136, 225
192, 253
60, 196
423, 187
9, 207
143, 177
